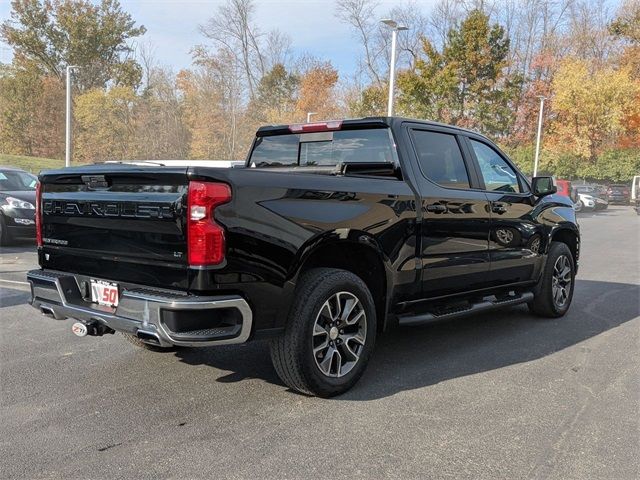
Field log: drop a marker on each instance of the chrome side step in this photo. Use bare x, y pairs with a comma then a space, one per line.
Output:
485, 305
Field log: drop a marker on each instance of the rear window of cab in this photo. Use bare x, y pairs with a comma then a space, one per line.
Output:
323, 148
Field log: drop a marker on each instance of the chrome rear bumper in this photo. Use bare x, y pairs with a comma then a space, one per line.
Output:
141, 312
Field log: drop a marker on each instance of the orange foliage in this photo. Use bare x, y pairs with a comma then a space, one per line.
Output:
317, 93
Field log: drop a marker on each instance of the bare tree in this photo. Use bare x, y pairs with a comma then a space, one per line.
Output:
232, 28
444, 16
588, 33
277, 49
160, 129
147, 58
360, 14
410, 41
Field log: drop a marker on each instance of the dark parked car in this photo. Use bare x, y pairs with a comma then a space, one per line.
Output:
619, 194
603, 192
17, 200
330, 234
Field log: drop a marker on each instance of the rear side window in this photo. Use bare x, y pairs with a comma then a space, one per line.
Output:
323, 148
440, 158
276, 151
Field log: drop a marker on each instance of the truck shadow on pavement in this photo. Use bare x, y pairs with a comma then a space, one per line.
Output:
410, 358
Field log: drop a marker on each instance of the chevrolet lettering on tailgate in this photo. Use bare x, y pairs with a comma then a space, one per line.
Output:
107, 209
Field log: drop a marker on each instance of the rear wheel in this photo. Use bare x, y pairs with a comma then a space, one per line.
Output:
555, 291
147, 346
329, 336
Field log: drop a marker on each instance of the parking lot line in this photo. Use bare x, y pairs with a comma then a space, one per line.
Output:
14, 281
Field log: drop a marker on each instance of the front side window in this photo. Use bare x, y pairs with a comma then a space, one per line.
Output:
497, 173
440, 158
324, 148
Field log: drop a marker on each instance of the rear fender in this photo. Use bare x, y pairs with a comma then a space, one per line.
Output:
343, 248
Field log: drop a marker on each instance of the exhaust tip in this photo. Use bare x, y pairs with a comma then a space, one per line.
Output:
148, 337
50, 312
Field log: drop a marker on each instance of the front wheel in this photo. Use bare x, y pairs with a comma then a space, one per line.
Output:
330, 334
555, 290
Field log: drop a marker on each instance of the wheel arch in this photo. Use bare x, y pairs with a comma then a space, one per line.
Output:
570, 237
358, 253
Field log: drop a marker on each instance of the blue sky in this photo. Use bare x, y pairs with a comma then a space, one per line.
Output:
172, 27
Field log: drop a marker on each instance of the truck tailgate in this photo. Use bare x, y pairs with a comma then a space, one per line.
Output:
127, 220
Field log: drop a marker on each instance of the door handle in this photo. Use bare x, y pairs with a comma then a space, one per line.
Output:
498, 208
436, 208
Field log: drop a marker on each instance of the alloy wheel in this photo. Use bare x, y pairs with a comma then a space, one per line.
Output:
561, 282
339, 334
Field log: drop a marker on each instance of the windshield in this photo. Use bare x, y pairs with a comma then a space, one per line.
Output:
323, 148
14, 181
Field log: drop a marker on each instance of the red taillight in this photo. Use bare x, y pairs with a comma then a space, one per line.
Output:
39, 214
315, 127
205, 238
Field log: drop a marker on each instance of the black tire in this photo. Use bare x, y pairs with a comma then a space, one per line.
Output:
292, 353
5, 236
132, 339
544, 303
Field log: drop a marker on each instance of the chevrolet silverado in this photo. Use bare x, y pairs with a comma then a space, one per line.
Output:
329, 234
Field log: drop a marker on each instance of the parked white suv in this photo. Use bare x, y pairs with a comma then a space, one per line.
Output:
589, 199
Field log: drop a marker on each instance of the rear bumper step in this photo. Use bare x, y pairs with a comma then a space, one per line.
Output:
428, 317
157, 318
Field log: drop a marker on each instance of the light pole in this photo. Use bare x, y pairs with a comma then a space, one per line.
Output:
535, 162
309, 114
67, 155
395, 28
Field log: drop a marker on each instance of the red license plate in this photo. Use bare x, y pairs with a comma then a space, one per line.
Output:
104, 293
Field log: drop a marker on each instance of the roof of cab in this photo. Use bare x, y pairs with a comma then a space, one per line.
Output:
364, 122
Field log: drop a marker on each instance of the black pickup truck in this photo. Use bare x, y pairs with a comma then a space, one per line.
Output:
329, 234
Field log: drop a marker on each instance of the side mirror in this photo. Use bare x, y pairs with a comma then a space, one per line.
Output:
542, 186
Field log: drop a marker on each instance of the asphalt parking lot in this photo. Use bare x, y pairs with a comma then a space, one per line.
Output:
499, 395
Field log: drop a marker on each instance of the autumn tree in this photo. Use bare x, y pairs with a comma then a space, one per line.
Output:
51, 34
539, 84
31, 113
590, 105
626, 27
371, 101
276, 96
161, 132
465, 83
317, 92
105, 125
214, 107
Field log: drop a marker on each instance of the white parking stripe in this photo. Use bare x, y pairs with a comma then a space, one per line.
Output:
14, 281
